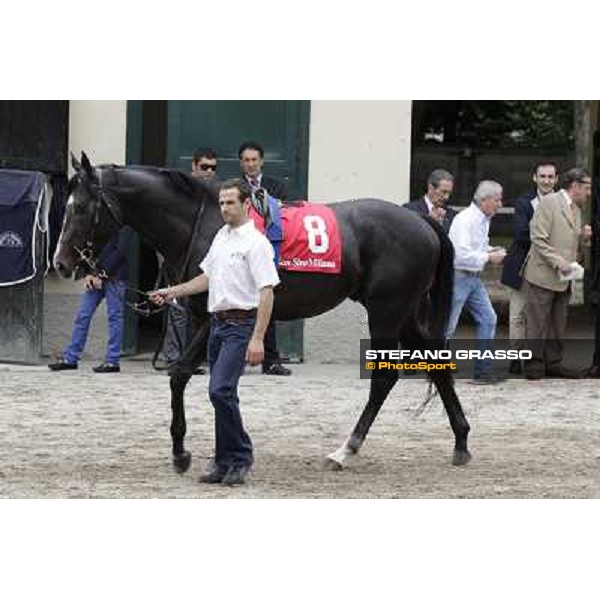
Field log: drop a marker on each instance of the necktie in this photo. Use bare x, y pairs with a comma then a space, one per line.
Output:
574, 211
254, 183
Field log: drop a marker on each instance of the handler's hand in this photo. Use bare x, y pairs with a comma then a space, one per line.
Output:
496, 256
438, 213
256, 352
92, 282
159, 297
586, 232
564, 266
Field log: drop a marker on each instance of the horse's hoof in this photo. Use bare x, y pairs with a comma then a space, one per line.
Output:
461, 457
181, 462
330, 464
592, 373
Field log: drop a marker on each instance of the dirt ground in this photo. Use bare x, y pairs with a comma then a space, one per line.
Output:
81, 435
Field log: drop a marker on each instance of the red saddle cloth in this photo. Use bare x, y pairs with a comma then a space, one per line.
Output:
311, 238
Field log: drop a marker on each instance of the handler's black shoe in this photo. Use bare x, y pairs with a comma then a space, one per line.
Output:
215, 475
592, 372
561, 372
534, 375
487, 379
275, 369
235, 475
515, 367
107, 368
61, 365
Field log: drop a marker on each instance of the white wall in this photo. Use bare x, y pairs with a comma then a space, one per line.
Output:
98, 127
359, 149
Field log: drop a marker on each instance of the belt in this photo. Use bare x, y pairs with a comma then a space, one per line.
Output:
235, 314
469, 273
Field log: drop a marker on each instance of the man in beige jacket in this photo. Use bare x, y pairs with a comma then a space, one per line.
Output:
555, 234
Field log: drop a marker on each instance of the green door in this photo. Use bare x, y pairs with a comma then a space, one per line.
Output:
280, 126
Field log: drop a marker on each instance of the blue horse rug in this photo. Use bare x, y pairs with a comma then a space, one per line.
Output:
23, 219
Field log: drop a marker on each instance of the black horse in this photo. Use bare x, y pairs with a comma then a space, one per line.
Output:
392, 260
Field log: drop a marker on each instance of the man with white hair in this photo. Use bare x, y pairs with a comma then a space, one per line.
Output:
469, 234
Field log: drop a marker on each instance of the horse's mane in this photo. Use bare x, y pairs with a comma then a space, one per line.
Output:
182, 182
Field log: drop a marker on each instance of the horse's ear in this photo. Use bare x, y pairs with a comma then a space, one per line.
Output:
75, 163
86, 164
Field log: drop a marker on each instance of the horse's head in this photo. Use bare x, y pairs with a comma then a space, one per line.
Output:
92, 217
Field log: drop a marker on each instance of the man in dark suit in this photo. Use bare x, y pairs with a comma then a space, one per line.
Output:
252, 158
440, 184
545, 177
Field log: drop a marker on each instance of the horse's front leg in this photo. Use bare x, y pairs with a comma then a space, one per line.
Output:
180, 373
181, 457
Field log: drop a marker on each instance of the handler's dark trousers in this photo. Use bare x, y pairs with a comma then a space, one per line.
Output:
227, 347
546, 320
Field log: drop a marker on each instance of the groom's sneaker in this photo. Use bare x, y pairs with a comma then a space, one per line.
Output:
62, 365
107, 368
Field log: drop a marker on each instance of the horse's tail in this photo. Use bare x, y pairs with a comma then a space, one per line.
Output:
440, 294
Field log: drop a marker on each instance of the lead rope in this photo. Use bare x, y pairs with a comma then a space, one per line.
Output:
163, 276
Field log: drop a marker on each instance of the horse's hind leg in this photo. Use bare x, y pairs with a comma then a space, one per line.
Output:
414, 338
460, 426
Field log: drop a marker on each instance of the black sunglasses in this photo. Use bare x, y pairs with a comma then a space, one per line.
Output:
208, 167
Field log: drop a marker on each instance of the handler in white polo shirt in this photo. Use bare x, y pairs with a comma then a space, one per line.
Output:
239, 274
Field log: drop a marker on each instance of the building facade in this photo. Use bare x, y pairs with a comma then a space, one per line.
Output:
324, 150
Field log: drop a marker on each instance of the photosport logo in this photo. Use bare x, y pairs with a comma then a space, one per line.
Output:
378, 358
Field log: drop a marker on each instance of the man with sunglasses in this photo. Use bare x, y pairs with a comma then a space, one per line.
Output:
204, 164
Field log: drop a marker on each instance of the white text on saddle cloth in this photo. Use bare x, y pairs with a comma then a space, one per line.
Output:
311, 239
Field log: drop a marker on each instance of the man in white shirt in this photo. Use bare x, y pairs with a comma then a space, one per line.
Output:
469, 234
239, 273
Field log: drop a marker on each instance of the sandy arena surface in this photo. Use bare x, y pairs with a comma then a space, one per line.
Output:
81, 435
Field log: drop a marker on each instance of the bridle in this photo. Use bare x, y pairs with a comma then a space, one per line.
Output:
103, 197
